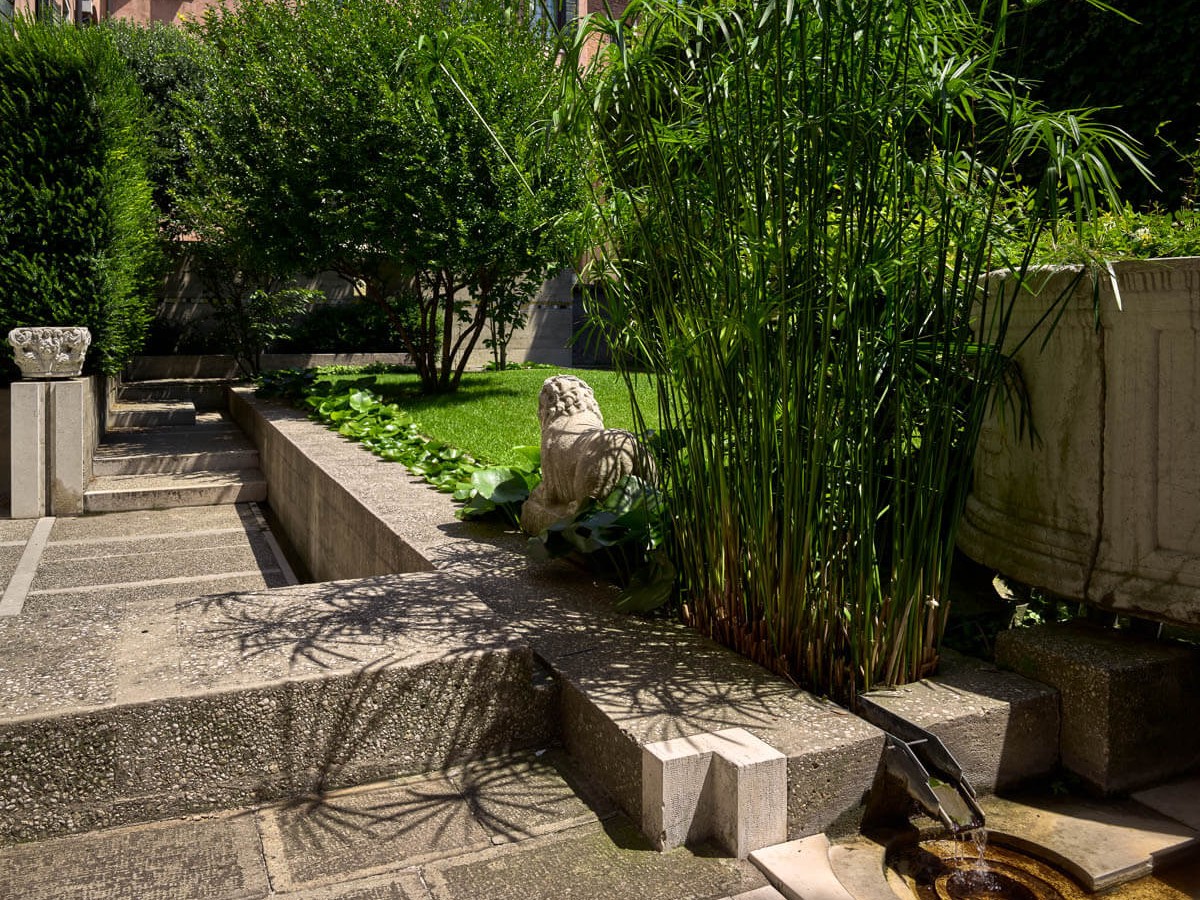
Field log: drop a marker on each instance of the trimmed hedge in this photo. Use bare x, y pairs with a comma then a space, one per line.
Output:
78, 228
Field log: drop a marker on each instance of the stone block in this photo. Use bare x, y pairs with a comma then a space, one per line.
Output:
1001, 727
727, 785
1123, 700
28, 441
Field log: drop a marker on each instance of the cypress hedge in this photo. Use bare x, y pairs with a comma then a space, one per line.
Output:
78, 228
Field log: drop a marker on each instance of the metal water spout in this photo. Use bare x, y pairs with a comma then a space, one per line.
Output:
929, 773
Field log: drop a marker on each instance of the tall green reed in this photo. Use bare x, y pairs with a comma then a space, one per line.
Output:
795, 203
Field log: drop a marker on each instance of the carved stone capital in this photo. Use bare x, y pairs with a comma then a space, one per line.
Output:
49, 352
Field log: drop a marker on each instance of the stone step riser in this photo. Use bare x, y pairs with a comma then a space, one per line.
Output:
140, 762
120, 418
129, 499
163, 464
205, 397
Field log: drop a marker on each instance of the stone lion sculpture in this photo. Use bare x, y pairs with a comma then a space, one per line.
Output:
581, 459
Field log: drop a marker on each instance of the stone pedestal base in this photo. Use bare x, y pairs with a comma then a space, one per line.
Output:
52, 437
1129, 705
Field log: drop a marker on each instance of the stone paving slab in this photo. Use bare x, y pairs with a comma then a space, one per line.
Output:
183, 520
365, 832
1180, 800
137, 545
9, 557
181, 860
153, 564
16, 529
1100, 844
405, 839
612, 861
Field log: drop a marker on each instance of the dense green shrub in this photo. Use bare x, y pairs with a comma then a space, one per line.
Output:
169, 65
355, 326
78, 234
395, 144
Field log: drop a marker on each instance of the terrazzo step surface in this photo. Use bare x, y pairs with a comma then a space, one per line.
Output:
212, 445
205, 393
179, 706
120, 493
151, 414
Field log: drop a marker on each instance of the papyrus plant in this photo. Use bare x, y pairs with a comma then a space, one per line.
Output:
794, 203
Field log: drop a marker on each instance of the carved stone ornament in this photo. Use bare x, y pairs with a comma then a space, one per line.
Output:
581, 458
48, 352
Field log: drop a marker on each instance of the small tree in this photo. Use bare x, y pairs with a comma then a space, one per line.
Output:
395, 144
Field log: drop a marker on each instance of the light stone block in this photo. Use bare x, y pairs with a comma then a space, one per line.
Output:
67, 438
28, 456
727, 785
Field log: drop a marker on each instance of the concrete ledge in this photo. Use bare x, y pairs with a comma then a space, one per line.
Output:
625, 682
231, 700
1112, 737
1001, 727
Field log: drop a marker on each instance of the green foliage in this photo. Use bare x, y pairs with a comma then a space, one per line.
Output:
1124, 234
1145, 73
795, 203
622, 535
394, 144
252, 322
171, 67
355, 326
349, 407
78, 236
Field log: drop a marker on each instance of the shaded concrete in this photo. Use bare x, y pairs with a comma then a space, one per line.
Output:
613, 862
1123, 699
1001, 727
403, 839
1179, 800
1099, 844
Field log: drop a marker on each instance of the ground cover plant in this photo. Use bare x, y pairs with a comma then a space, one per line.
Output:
480, 443
78, 230
395, 144
795, 203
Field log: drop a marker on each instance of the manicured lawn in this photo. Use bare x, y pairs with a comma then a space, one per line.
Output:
492, 412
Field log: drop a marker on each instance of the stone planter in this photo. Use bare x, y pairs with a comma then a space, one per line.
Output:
48, 352
1106, 506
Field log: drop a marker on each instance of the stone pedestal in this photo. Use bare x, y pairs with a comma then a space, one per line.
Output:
1129, 705
54, 426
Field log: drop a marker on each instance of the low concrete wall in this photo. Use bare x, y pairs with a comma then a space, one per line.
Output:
335, 531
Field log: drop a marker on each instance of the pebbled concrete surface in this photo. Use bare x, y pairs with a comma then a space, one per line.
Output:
447, 836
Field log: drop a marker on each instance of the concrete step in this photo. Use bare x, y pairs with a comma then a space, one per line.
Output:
119, 493
151, 415
205, 393
215, 447
197, 705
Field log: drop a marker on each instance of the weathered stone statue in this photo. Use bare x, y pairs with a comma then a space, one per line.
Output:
49, 352
581, 459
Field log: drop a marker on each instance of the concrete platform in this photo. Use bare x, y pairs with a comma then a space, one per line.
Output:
151, 414
214, 702
525, 828
1129, 704
1002, 728
213, 444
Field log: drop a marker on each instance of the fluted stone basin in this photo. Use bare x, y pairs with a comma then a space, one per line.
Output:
1105, 506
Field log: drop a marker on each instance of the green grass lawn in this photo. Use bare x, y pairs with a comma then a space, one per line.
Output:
492, 412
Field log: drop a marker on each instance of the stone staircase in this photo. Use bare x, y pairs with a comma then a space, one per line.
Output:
160, 452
